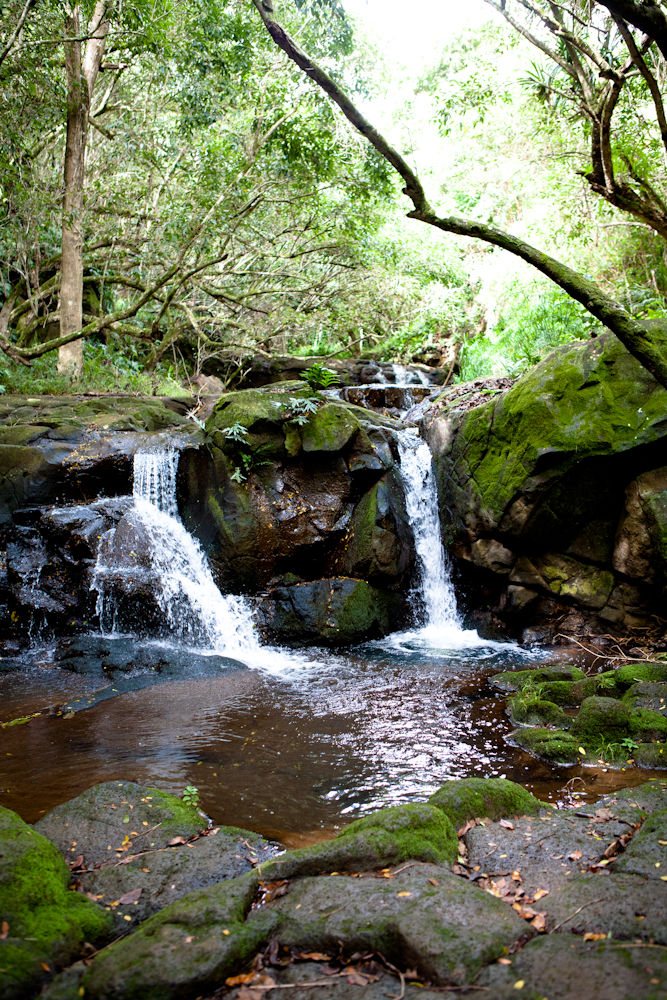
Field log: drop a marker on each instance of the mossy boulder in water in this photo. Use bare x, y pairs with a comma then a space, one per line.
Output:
495, 798
336, 611
46, 924
527, 710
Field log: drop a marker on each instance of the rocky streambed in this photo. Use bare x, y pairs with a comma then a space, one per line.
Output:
128, 892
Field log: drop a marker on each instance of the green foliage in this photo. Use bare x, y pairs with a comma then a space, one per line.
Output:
532, 322
319, 377
298, 411
191, 796
244, 458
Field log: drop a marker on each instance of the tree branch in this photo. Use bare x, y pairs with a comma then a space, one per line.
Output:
15, 33
634, 334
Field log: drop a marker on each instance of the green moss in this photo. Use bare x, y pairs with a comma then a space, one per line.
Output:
330, 429
626, 676
516, 680
647, 726
601, 719
186, 949
37, 905
650, 755
364, 609
415, 831
533, 710
493, 797
420, 831
553, 745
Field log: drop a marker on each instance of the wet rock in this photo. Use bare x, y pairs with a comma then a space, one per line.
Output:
496, 798
646, 854
554, 745
44, 925
517, 680
119, 817
646, 694
335, 611
560, 968
378, 545
526, 710
390, 836
161, 876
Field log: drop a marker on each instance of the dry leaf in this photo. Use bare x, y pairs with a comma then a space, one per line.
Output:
505, 823
539, 922
433, 881
176, 840
516, 875
403, 893
130, 897
77, 863
590, 936
245, 977
464, 829
45, 966
575, 855
313, 956
539, 894
5, 931
504, 961
602, 816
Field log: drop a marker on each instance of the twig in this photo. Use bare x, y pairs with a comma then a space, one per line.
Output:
398, 972
293, 986
554, 929
639, 944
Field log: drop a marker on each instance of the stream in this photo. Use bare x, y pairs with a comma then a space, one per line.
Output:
294, 744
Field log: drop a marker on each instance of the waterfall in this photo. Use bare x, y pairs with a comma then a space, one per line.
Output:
151, 553
403, 377
442, 624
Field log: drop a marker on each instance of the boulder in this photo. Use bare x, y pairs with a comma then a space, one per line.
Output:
44, 924
560, 475
335, 611
496, 798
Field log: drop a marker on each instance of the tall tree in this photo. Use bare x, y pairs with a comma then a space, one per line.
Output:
581, 63
82, 66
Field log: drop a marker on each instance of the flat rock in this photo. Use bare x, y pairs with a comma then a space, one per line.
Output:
559, 967
118, 819
646, 853
624, 906
160, 877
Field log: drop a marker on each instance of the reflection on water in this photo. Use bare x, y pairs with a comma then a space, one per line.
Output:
292, 752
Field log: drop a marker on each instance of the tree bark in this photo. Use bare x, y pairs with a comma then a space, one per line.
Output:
642, 342
81, 77
643, 14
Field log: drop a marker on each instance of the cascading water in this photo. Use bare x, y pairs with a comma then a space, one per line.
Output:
442, 626
151, 552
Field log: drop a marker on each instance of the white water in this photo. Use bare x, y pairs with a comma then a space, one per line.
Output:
154, 550
442, 627
403, 377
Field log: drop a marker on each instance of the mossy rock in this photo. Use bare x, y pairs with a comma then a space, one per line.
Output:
536, 711
650, 755
555, 745
330, 429
601, 720
516, 680
496, 798
48, 924
416, 831
154, 963
103, 815
337, 611
629, 674
647, 726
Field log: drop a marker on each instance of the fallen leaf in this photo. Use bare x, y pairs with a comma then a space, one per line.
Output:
313, 956
77, 863
505, 823
663, 843
245, 977
45, 966
411, 974
493, 889
581, 750
602, 816
464, 829
5, 931
433, 881
247, 993
226, 932
130, 897
176, 840
556, 857
519, 984
575, 855
504, 961
590, 936
539, 893
403, 893
539, 922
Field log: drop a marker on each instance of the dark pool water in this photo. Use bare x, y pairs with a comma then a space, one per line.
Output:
294, 749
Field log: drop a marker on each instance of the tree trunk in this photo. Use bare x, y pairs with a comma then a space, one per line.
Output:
81, 77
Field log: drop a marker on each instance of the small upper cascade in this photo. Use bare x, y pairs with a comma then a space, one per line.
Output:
421, 500
404, 377
155, 479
